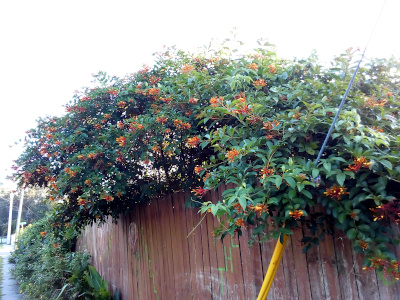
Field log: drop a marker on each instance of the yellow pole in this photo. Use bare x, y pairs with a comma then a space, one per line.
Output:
273, 266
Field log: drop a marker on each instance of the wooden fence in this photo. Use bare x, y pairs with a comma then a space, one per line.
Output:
148, 255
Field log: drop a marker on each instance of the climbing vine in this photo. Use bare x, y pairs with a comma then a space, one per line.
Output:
255, 121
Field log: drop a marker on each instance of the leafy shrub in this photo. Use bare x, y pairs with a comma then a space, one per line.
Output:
44, 264
195, 121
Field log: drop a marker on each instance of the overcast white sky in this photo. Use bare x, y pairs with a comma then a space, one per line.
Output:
49, 49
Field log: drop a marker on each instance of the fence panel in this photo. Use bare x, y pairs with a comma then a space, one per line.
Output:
163, 251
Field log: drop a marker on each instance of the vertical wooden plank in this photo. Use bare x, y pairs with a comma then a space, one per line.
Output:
289, 270
329, 268
219, 250
315, 271
176, 232
300, 266
181, 218
236, 280
161, 263
154, 266
166, 220
267, 249
144, 257
345, 266
366, 281
214, 273
248, 266
207, 253
194, 236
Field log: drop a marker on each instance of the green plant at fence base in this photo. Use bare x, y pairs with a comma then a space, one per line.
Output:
195, 121
46, 267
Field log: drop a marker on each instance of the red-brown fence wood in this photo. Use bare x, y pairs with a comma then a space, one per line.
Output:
149, 254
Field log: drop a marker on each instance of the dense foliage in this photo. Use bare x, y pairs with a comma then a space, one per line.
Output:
45, 266
199, 120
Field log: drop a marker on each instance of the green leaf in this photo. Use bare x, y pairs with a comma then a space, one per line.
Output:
278, 181
387, 164
364, 227
292, 194
315, 173
243, 202
291, 181
341, 177
351, 234
342, 217
307, 194
214, 209
327, 166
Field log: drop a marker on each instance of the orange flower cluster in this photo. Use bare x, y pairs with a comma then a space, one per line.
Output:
241, 107
238, 208
83, 99
199, 191
358, 163
92, 155
336, 192
121, 104
135, 126
232, 154
372, 102
161, 120
265, 171
193, 100
97, 126
272, 69
121, 141
390, 269
271, 125
180, 125
253, 66
88, 182
107, 116
120, 125
388, 210
260, 83
259, 208
107, 197
112, 92
155, 149
154, 80
206, 176
81, 157
166, 100
82, 201
153, 91
239, 222
253, 119
43, 233
198, 169
363, 244
377, 129
145, 69
296, 214
297, 116
216, 101
186, 68
193, 141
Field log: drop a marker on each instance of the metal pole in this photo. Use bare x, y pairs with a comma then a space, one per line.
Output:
10, 219
19, 213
